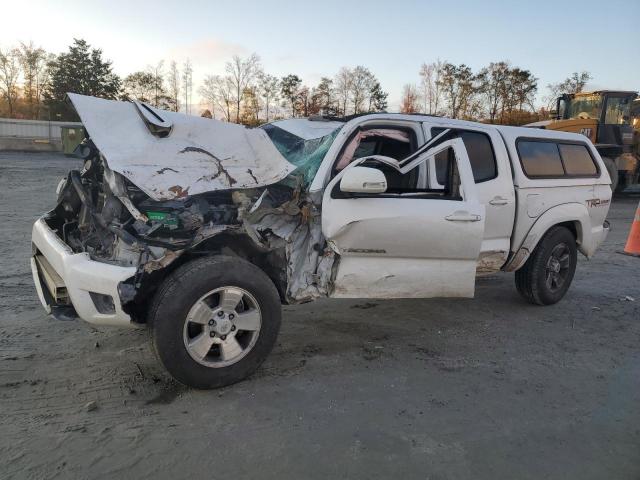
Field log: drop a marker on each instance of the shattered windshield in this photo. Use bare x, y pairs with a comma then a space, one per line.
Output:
307, 155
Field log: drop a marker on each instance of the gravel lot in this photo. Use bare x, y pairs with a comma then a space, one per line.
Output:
487, 388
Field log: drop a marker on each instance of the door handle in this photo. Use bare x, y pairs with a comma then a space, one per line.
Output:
463, 217
498, 201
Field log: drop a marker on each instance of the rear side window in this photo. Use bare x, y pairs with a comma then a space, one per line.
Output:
577, 160
553, 160
481, 156
540, 159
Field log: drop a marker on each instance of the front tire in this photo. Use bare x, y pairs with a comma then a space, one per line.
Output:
214, 321
546, 276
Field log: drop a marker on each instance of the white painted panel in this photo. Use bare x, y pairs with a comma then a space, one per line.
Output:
404, 227
369, 277
405, 246
497, 195
199, 155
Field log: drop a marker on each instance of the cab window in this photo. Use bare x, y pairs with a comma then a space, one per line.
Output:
555, 159
394, 142
577, 160
618, 111
480, 152
405, 185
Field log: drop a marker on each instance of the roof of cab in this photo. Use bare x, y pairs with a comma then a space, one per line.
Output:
510, 136
507, 131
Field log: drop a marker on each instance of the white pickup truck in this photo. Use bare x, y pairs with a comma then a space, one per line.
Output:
202, 229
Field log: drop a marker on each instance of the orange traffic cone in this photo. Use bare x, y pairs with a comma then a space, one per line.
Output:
633, 242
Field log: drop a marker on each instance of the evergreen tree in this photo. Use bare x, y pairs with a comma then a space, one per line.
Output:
80, 70
289, 87
377, 98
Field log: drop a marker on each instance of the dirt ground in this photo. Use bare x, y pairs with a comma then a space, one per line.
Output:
488, 388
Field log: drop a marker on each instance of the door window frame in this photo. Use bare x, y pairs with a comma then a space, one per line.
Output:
413, 142
432, 166
407, 165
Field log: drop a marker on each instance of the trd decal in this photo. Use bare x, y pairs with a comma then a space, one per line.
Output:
596, 202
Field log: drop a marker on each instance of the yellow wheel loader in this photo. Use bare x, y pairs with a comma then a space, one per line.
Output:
605, 117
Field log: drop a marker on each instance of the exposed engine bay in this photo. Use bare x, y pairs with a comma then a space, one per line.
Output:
105, 215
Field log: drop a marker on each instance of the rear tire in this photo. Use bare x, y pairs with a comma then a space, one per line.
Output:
613, 172
546, 276
214, 321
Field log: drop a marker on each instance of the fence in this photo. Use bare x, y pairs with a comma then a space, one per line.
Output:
40, 129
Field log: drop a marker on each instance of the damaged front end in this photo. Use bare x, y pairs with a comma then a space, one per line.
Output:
149, 228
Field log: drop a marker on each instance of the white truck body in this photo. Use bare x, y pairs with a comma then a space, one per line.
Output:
516, 211
386, 245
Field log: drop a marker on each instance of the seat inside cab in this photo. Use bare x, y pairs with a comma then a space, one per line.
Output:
393, 142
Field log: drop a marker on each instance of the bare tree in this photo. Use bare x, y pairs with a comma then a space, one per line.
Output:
241, 73
524, 88
342, 86
209, 93
174, 85
224, 95
268, 89
187, 84
494, 86
34, 72
9, 74
430, 74
362, 81
409, 101
157, 75
139, 86
251, 106
42, 81
426, 78
324, 97
575, 83
303, 100
458, 86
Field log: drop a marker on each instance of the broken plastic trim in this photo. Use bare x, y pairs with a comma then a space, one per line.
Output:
157, 125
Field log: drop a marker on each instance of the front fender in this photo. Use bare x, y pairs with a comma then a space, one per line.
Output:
574, 213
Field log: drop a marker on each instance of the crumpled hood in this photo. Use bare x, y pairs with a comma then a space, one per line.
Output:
199, 154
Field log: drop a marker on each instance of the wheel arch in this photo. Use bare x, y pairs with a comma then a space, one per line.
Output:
230, 244
573, 216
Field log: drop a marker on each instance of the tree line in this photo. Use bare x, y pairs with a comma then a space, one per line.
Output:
499, 93
33, 84
246, 94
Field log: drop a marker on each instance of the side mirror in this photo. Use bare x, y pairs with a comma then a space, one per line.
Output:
363, 180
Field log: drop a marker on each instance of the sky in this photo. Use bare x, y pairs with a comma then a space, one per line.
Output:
552, 39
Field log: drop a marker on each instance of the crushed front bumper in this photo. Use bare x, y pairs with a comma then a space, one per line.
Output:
91, 287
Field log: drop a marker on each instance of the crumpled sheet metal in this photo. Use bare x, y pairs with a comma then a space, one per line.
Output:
199, 155
309, 261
